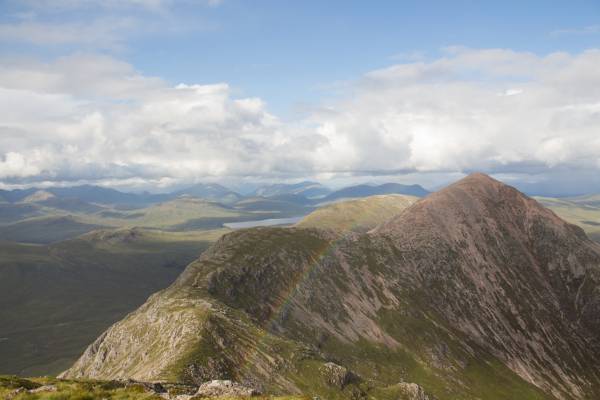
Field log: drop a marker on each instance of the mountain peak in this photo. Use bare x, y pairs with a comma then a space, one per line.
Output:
469, 203
480, 180
480, 176
478, 187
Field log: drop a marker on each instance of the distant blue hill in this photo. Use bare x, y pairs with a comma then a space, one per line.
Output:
306, 189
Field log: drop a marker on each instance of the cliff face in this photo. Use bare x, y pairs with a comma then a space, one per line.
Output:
473, 292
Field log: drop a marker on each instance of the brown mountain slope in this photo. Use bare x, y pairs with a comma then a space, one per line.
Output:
510, 274
476, 292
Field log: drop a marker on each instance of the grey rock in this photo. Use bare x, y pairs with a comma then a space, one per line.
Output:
45, 388
412, 391
219, 388
336, 375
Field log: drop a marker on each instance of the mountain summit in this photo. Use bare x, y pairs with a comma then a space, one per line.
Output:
474, 292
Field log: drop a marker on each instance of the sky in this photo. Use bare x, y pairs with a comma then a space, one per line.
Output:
154, 94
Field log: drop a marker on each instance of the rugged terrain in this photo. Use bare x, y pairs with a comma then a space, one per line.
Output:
475, 292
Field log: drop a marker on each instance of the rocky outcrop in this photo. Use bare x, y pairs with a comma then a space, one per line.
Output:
336, 375
18, 392
412, 391
44, 389
472, 292
225, 388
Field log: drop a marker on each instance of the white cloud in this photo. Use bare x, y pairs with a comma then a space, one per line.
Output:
82, 75
89, 117
92, 117
100, 33
15, 164
446, 115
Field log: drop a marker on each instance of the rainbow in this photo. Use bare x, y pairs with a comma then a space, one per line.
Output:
285, 298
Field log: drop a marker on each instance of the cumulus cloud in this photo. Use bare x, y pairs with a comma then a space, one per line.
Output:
494, 110
92, 117
471, 109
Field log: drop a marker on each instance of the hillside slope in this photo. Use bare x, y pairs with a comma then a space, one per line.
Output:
476, 292
358, 191
44, 230
69, 292
307, 189
357, 215
211, 192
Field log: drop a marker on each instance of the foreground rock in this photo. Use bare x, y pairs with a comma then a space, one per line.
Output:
336, 375
412, 391
44, 389
225, 388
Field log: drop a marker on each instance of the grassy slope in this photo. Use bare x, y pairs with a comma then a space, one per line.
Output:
164, 215
44, 230
89, 390
359, 214
58, 298
10, 213
42, 223
186, 214
584, 212
280, 208
71, 291
252, 353
36, 223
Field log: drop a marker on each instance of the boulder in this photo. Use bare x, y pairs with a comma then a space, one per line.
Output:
45, 388
412, 391
225, 388
335, 375
16, 392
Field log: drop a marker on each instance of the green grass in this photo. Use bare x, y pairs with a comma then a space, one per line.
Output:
10, 213
160, 216
44, 230
57, 298
36, 223
74, 390
359, 214
94, 390
70, 292
279, 208
584, 212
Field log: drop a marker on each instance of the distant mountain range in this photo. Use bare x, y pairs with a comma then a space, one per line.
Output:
87, 193
210, 191
306, 189
306, 193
